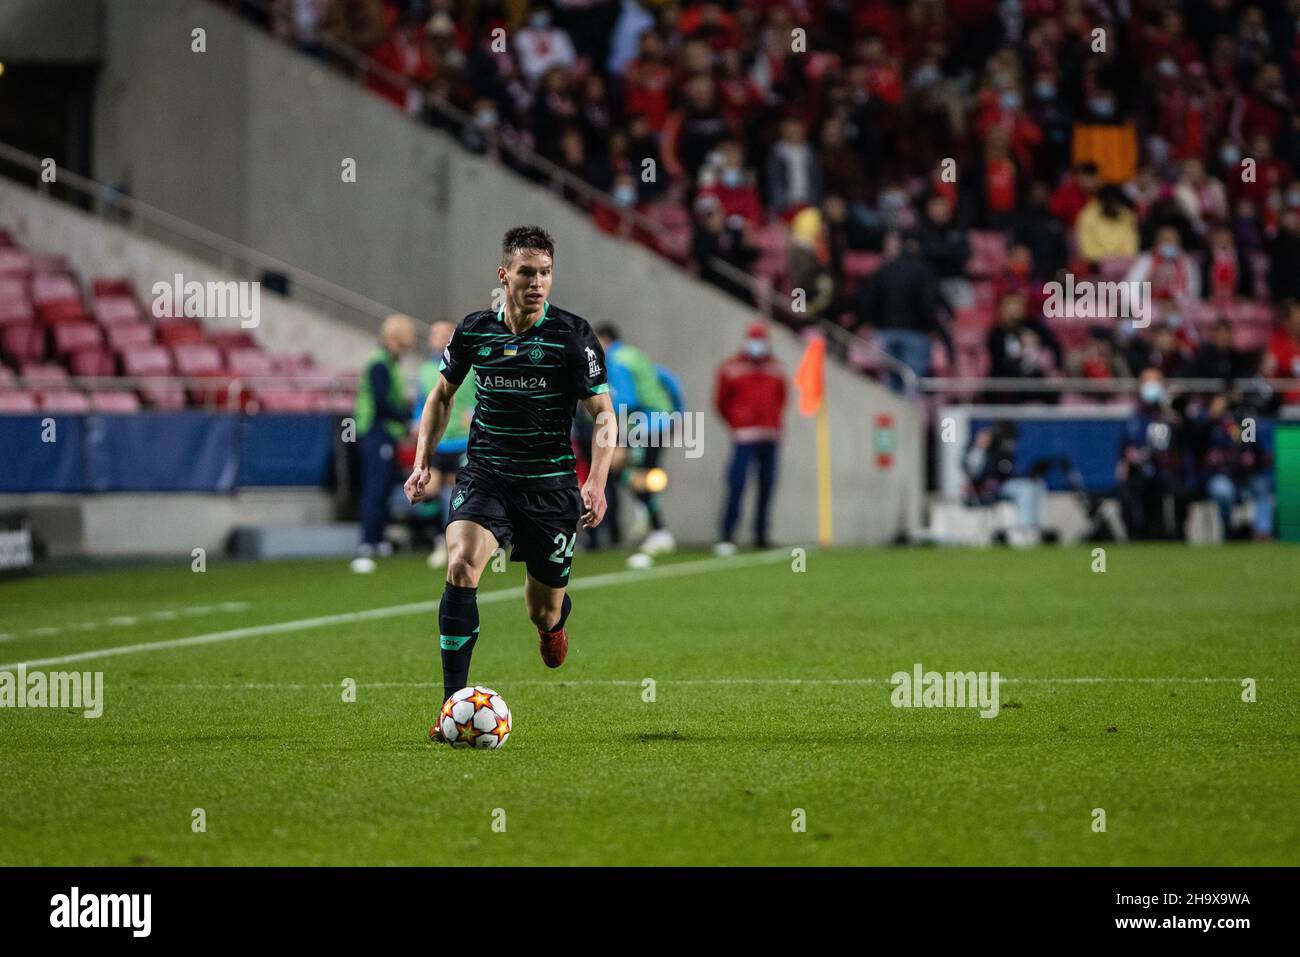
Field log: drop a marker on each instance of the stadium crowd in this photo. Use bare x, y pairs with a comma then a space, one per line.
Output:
919, 169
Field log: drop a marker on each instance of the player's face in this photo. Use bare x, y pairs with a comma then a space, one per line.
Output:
527, 280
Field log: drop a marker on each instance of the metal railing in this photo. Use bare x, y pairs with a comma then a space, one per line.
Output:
214, 392
121, 209
936, 385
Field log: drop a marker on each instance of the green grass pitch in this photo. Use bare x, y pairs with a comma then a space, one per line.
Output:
772, 694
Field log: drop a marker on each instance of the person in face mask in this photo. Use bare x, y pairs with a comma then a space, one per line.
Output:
540, 46
733, 187
1154, 470
1174, 276
750, 394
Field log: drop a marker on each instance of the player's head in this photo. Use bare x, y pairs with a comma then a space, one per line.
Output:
439, 335
398, 333
525, 271
607, 334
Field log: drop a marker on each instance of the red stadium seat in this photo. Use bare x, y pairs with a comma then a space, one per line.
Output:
64, 400
43, 375
22, 343
197, 358
72, 337
15, 262
16, 311
122, 335
50, 264
174, 331
228, 339
102, 286
146, 361
96, 361
14, 401
114, 309
53, 313
54, 287
114, 402
250, 362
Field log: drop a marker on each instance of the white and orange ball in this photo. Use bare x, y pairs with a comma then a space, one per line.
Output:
475, 717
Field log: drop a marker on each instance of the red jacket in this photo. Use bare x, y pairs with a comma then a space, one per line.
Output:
750, 396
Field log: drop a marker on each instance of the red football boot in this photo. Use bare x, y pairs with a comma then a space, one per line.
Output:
435, 732
554, 645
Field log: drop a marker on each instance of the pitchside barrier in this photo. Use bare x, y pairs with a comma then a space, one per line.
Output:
165, 451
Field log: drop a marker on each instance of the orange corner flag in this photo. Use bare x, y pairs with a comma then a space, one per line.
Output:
810, 377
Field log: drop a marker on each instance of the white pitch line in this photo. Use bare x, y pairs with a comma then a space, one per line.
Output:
414, 608
127, 620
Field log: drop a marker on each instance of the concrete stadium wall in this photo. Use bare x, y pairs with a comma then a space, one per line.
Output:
46, 31
247, 139
129, 524
97, 248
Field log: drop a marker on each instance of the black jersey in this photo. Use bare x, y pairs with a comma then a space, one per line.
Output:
527, 388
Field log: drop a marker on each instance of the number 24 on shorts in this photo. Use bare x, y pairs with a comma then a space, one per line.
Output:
564, 547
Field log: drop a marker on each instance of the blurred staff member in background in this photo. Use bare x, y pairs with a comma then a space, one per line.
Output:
635, 386
1153, 472
750, 394
450, 453
383, 416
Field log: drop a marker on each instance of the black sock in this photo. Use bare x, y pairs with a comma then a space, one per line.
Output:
565, 608
458, 631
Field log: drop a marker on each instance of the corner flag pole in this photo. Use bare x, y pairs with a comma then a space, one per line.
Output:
823, 476
810, 379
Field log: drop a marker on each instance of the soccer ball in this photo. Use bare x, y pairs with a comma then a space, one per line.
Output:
475, 718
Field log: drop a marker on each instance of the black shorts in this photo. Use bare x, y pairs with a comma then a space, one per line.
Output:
448, 463
541, 525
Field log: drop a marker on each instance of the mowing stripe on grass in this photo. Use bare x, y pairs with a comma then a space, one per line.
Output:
413, 608
632, 682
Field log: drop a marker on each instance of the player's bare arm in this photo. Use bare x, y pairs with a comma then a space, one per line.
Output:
604, 439
433, 422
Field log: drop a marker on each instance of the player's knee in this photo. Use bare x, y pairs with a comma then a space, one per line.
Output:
461, 571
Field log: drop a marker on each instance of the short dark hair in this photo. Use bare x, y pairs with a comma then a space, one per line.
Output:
526, 237
608, 331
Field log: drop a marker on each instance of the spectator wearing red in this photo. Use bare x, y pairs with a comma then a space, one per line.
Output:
1174, 276
405, 55
1006, 115
750, 394
1074, 192
1266, 109
542, 46
1282, 359
999, 182
648, 82
710, 22
733, 184
1270, 173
